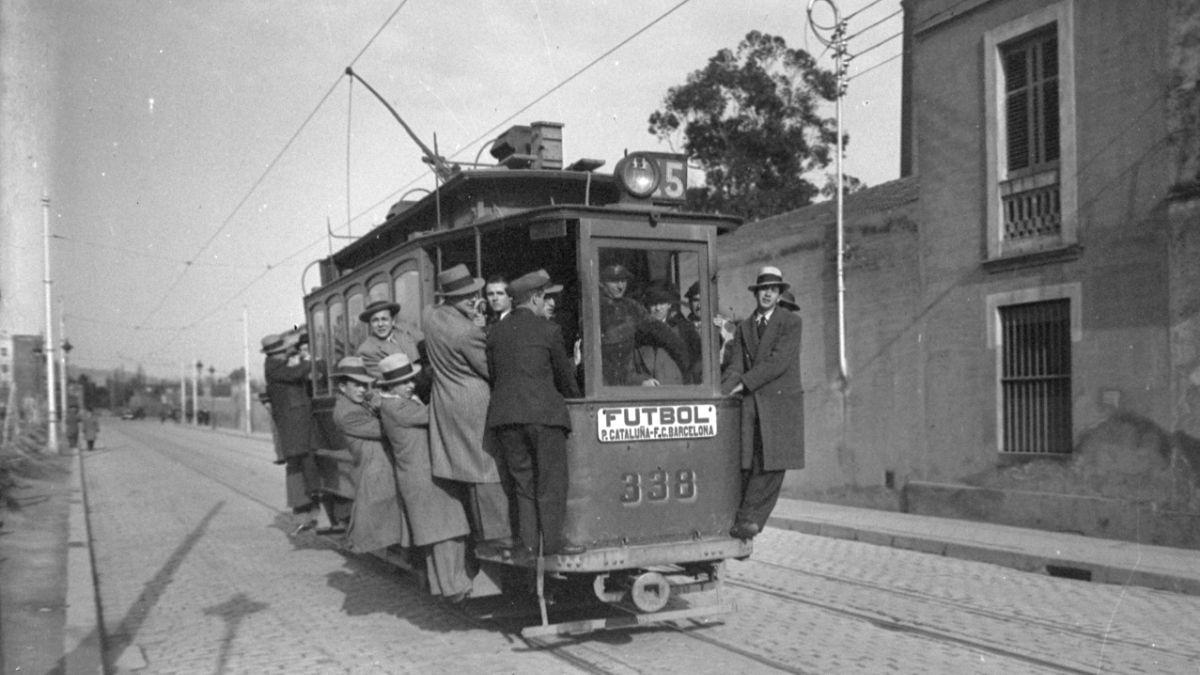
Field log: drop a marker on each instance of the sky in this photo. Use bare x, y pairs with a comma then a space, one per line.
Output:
202, 147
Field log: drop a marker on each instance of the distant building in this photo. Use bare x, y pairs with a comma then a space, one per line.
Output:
1023, 308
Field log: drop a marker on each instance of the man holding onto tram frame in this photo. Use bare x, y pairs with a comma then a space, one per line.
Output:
458, 402
531, 378
764, 368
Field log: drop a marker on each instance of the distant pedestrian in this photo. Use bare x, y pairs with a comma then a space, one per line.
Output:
72, 423
91, 428
764, 368
458, 403
532, 377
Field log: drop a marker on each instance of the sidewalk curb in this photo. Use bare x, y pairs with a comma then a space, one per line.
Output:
1025, 561
82, 648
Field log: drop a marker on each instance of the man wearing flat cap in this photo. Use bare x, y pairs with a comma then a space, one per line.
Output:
764, 368
458, 401
531, 378
384, 338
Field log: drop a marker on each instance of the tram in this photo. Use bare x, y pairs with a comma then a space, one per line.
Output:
654, 470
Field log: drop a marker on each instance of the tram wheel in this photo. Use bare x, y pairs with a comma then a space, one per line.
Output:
650, 592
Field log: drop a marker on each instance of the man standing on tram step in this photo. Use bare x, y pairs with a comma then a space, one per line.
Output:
458, 402
383, 337
531, 377
291, 411
764, 368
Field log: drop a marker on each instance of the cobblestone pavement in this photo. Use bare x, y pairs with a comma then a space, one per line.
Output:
198, 575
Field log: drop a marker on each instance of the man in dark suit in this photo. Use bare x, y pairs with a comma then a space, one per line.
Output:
286, 370
764, 369
531, 377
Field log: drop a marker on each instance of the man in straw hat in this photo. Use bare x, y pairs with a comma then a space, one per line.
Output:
377, 516
764, 369
458, 402
531, 378
435, 513
291, 413
384, 337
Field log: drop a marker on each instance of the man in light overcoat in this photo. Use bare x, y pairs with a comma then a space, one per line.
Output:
456, 349
764, 369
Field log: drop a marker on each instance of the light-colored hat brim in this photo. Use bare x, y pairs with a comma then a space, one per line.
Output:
416, 368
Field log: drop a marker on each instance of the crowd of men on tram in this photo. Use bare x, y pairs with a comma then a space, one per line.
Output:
460, 442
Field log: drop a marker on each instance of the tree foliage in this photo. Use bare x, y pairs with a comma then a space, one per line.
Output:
752, 119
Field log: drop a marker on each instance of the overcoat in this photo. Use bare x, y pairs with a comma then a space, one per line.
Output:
526, 355
434, 512
377, 516
769, 369
458, 402
373, 350
291, 407
91, 425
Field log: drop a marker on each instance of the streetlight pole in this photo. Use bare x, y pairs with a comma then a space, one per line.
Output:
51, 404
246, 371
196, 394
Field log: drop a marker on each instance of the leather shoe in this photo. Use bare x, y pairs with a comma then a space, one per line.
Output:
459, 597
744, 531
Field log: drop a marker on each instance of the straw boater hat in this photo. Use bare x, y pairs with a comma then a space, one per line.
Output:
615, 273
770, 276
788, 301
524, 286
396, 368
457, 281
376, 307
352, 368
274, 344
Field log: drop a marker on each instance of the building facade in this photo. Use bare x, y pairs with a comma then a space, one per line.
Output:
1024, 332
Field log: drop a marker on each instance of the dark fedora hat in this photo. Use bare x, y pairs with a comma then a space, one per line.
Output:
615, 273
396, 368
524, 286
658, 295
693, 291
457, 281
770, 276
352, 368
376, 307
788, 301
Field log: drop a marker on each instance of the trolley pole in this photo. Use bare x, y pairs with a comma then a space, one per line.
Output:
834, 37
51, 398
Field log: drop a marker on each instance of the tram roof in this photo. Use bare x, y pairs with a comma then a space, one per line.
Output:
462, 198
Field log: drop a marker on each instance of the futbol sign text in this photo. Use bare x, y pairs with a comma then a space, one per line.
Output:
656, 422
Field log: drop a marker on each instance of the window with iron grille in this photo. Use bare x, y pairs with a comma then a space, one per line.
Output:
1035, 378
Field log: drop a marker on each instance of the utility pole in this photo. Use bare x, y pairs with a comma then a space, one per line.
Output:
183, 392
246, 369
51, 403
836, 40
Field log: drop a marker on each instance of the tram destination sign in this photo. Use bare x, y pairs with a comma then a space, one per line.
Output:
656, 422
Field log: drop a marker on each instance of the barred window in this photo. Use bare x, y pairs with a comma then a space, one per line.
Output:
1031, 99
1035, 379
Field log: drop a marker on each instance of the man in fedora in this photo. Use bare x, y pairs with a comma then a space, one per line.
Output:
383, 338
287, 374
764, 368
531, 378
458, 402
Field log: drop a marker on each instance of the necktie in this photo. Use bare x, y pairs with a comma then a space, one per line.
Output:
761, 324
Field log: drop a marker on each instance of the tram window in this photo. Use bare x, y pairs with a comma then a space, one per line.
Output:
337, 330
407, 286
377, 289
319, 340
647, 334
358, 329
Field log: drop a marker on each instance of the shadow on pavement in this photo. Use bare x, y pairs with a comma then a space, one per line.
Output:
232, 612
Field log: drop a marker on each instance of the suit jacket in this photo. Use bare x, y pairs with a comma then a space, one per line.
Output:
291, 407
769, 369
458, 402
373, 350
531, 373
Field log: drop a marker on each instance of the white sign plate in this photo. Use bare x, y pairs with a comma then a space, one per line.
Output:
656, 422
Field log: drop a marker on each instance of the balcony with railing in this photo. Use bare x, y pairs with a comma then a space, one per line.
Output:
1031, 210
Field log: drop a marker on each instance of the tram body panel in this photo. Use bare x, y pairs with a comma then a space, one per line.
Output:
640, 491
